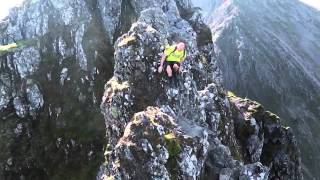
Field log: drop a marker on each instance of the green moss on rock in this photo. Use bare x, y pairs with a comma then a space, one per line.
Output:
114, 112
174, 149
173, 145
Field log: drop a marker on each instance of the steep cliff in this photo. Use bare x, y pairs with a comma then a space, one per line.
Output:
268, 50
192, 130
57, 56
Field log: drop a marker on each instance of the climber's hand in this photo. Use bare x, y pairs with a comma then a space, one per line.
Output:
160, 69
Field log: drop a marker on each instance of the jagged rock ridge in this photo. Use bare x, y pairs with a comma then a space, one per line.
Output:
269, 51
59, 54
193, 130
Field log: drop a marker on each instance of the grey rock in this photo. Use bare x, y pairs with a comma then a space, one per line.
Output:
52, 35
232, 132
27, 61
4, 91
51, 88
30, 104
254, 171
34, 97
20, 107
265, 54
111, 11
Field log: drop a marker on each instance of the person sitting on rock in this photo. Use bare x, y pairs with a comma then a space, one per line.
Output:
172, 59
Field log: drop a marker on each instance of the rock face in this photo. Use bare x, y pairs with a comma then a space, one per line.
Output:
52, 72
269, 51
192, 129
152, 147
57, 56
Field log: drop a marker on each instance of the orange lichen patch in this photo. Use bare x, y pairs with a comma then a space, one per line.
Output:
112, 87
127, 41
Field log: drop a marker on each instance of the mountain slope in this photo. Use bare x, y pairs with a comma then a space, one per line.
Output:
56, 56
270, 51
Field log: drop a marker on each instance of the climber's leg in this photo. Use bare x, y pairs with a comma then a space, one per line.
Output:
169, 70
175, 74
176, 67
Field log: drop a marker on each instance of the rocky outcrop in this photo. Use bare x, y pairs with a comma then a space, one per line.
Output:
191, 129
57, 56
264, 139
152, 147
265, 54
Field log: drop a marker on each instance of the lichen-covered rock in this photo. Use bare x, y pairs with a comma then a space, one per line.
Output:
27, 61
137, 55
58, 55
271, 64
4, 91
264, 139
34, 97
55, 57
254, 171
234, 134
153, 147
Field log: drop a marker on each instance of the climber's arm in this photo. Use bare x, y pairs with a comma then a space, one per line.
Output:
164, 56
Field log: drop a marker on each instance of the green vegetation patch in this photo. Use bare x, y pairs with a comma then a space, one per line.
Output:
14, 47
173, 145
114, 112
174, 148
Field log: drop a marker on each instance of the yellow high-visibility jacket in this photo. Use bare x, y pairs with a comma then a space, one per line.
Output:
173, 55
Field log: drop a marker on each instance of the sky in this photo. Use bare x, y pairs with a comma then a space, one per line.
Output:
313, 3
5, 5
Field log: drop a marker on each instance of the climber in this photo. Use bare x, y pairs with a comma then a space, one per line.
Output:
172, 59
